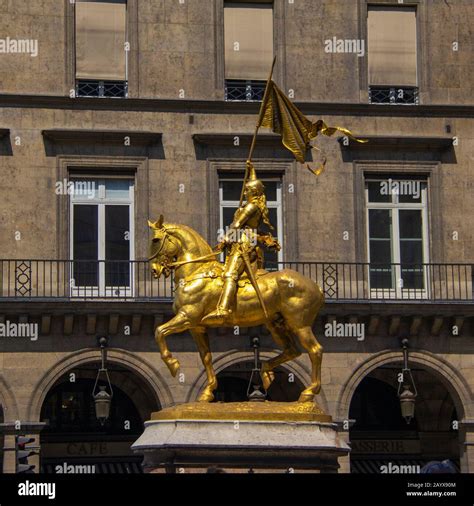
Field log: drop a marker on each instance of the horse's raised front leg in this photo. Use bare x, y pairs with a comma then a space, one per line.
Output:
202, 340
178, 324
284, 340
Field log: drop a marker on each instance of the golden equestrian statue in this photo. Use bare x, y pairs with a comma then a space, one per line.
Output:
241, 293
292, 302
242, 242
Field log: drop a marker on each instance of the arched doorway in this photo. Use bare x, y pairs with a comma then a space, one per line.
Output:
383, 442
75, 441
233, 382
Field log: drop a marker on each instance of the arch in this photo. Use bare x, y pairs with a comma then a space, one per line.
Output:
235, 356
444, 371
147, 373
8, 401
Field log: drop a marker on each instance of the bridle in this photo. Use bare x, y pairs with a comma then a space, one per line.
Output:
170, 265
165, 236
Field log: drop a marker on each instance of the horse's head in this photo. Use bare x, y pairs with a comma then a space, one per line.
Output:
163, 249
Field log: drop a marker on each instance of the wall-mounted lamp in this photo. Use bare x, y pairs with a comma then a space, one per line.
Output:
406, 395
102, 399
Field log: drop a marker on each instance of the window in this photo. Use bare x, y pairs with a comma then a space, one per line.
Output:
229, 197
101, 56
248, 34
392, 55
102, 237
397, 234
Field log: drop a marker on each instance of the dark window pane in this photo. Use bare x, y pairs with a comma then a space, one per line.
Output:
411, 252
85, 246
410, 224
380, 252
381, 270
380, 223
228, 216
231, 189
270, 189
382, 276
117, 245
412, 278
375, 188
411, 256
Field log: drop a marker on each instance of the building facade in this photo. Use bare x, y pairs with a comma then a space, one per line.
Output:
114, 112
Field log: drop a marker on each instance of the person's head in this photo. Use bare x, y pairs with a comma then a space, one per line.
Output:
436, 467
253, 187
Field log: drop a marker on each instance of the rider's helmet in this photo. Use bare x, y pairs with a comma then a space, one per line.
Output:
253, 186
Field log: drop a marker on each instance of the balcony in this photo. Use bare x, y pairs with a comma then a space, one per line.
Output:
68, 280
243, 91
102, 89
394, 95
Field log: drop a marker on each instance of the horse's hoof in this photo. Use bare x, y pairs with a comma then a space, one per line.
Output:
306, 397
267, 378
173, 366
206, 397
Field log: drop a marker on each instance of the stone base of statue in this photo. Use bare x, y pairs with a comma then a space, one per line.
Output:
241, 437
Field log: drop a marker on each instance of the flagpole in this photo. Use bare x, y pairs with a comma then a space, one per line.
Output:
254, 140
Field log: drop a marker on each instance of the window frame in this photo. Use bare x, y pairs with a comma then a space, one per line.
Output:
131, 62
395, 206
279, 14
421, 45
102, 290
385, 167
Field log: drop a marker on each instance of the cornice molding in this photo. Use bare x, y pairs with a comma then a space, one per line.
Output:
102, 136
400, 142
228, 139
223, 107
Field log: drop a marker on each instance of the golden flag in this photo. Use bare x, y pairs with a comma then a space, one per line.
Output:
282, 117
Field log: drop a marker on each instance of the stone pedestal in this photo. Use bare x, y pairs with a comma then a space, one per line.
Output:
241, 437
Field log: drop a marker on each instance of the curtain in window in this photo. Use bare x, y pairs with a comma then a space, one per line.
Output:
392, 46
100, 39
248, 28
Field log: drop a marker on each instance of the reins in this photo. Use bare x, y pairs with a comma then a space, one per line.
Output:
182, 262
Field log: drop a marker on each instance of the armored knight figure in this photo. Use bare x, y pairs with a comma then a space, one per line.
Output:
241, 241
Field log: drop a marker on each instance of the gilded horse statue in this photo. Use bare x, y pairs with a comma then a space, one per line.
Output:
292, 302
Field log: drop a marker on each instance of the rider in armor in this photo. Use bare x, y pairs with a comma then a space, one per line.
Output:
242, 239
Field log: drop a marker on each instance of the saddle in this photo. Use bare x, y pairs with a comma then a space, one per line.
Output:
217, 271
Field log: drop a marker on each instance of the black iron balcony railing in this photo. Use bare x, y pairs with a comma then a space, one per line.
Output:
109, 89
243, 91
123, 280
405, 95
